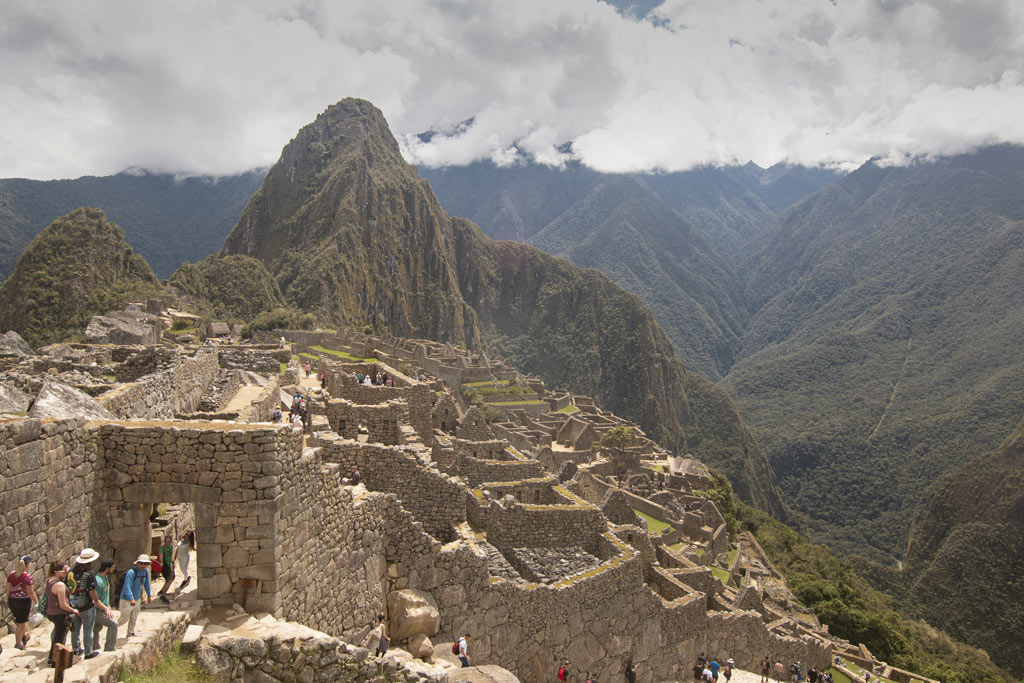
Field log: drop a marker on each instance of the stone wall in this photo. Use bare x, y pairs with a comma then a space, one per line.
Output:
220, 392
232, 476
50, 494
382, 421
433, 498
145, 361
478, 472
262, 360
513, 525
161, 395
418, 398
261, 408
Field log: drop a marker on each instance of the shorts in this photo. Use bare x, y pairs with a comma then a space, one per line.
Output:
167, 571
20, 608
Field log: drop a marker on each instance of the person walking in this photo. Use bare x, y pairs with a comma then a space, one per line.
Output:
308, 368
631, 672
58, 608
83, 599
563, 671
105, 615
186, 544
378, 637
464, 651
766, 665
166, 556
727, 669
715, 668
135, 580
21, 595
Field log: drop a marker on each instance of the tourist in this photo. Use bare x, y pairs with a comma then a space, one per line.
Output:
366, 380
464, 650
379, 635
698, 671
83, 599
867, 677
276, 417
308, 368
631, 672
20, 597
353, 479
135, 579
779, 670
105, 615
794, 672
58, 609
812, 675
727, 671
715, 668
705, 674
563, 671
323, 379
591, 678
765, 666
186, 544
166, 556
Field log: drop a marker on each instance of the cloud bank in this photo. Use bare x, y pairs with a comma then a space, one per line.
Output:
218, 87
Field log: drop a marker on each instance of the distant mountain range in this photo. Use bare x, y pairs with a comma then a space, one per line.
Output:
167, 219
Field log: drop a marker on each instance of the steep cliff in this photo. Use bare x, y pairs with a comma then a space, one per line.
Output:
78, 267
965, 565
352, 233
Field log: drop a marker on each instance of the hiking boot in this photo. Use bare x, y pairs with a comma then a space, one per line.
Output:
185, 582
163, 599
94, 653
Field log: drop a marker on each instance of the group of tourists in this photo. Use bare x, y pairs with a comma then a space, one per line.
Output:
564, 673
77, 596
298, 413
796, 672
381, 379
708, 669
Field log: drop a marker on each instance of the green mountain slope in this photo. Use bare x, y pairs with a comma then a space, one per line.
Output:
623, 229
167, 220
234, 287
78, 267
352, 233
965, 565
885, 345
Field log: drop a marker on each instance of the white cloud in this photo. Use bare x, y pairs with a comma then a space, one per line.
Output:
219, 87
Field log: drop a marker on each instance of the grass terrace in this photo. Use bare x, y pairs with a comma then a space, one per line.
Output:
343, 355
569, 409
654, 526
720, 574
488, 383
517, 403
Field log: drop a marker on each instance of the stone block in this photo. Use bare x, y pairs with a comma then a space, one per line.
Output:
258, 571
214, 587
412, 611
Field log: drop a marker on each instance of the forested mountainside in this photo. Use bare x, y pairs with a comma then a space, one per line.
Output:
965, 566
677, 240
78, 267
885, 347
351, 232
167, 220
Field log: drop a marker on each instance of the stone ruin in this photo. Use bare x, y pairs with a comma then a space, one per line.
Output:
513, 530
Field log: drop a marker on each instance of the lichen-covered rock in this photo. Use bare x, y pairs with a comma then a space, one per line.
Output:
412, 612
60, 400
12, 399
11, 344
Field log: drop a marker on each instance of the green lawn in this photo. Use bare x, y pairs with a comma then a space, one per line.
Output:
284, 368
343, 355
838, 676
488, 383
569, 409
720, 574
654, 526
731, 557
516, 403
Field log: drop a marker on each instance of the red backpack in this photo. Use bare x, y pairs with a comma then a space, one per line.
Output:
563, 673
455, 648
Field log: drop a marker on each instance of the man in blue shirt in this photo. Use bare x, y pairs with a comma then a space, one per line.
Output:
715, 666
135, 579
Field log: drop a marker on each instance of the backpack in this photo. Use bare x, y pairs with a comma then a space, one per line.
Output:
563, 673
455, 648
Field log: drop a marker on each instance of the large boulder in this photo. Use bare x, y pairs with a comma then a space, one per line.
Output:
412, 612
125, 327
60, 400
421, 647
12, 399
488, 673
11, 344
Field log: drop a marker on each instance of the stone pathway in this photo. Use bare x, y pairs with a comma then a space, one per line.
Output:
243, 398
157, 627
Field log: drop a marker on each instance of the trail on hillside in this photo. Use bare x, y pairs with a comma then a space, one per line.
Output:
895, 388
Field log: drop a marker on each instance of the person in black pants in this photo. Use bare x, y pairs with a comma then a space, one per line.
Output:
58, 609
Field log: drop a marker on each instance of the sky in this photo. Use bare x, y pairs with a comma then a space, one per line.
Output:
218, 87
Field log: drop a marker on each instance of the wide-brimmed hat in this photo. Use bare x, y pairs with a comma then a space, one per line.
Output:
144, 559
88, 555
